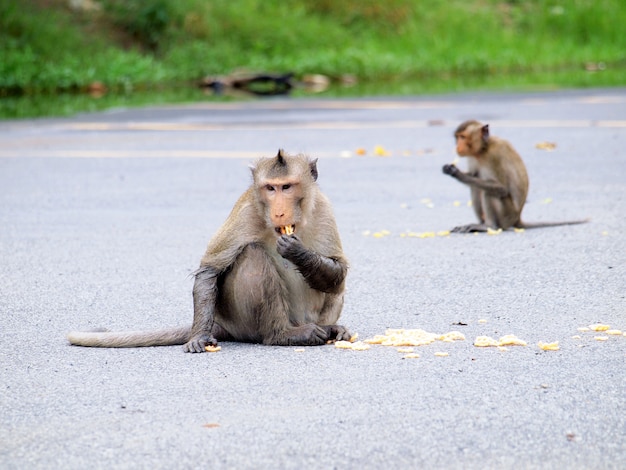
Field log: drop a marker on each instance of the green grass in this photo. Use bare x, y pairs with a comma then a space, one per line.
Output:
395, 46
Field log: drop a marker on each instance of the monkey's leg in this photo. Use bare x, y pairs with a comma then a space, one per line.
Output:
204, 298
255, 306
500, 212
333, 304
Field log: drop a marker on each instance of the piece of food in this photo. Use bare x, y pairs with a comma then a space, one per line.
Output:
405, 350
548, 346
441, 354
511, 340
287, 230
599, 327
411, 356
601, 338
485, 342
614, 332
452, 336
354, 337
209, 348
356, 346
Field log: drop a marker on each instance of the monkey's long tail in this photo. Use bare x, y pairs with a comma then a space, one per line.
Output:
130, 339
552, 224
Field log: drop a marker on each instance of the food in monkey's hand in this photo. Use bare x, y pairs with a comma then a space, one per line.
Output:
209, 348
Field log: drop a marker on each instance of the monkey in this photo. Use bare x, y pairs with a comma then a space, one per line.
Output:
274, 273
497, 178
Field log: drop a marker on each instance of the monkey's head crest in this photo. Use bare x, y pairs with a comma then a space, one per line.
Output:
280, 158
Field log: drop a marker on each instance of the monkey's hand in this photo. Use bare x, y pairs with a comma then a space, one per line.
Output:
320, 272
451, 169
199, 342
290, 247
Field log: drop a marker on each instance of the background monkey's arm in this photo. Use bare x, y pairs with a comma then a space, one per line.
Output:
491, 187
204, 298
321, 273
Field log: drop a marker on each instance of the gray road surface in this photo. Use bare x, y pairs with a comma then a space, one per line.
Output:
104, 216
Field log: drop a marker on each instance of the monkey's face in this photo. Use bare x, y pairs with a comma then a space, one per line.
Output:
281, 198
464, 144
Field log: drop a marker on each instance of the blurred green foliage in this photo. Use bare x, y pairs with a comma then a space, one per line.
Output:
46, 47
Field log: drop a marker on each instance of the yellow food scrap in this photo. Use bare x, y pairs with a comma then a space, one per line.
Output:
547, 200
380, 151
511, 340
405, 350
356, 346
519, 230
411, 337
485, 342
576, 337
360, 151
548, 346
601, 338
443, 233
411, 356
354, 337
452, 336
299, 350
441, 354
493, 232
286, 230
482, 320
377, 339
583, 329
549, 146
209, 348
599, 327
456, 203
614, 332
378, 235
502, 348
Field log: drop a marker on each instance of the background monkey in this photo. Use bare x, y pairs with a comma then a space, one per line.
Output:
497, 178
274, 273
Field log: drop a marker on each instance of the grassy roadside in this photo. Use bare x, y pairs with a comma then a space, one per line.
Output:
396, 46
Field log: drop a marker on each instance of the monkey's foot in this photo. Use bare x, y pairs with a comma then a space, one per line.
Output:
469, 228
199, 342
305, 335
337, 333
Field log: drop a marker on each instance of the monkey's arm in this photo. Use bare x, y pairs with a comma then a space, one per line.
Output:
321, 272
491, 187
204, 298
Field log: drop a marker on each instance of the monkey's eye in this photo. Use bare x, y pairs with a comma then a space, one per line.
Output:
286, 187
269, 187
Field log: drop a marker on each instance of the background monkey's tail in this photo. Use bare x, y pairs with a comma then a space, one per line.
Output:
130, 339
551, 224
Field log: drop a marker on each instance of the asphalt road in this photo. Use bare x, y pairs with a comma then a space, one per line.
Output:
104, 216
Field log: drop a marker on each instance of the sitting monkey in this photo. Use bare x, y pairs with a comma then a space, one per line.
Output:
274, 273
497, 178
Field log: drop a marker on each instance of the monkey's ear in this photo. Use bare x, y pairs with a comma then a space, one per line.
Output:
485, 133
313, 167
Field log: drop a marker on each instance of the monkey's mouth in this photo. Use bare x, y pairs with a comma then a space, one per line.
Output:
286, 229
